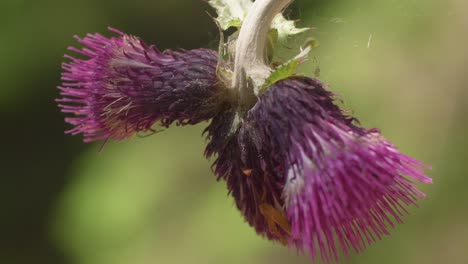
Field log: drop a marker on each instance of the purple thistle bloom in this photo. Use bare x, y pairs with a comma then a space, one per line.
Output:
125, 86
301, 171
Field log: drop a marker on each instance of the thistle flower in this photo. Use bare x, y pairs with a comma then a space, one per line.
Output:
303, 173
341, 182
124, 86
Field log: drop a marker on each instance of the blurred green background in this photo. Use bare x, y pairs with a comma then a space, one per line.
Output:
401, 65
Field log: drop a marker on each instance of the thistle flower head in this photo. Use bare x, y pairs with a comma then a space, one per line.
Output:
343, 185
123, 86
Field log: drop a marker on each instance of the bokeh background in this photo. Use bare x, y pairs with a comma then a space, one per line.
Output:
401, 65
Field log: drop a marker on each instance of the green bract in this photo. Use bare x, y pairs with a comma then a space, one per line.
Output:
286, 69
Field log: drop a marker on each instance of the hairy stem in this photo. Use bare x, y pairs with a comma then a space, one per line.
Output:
251, 58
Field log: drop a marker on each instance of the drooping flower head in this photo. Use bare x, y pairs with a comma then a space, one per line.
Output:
123, 86
330, 184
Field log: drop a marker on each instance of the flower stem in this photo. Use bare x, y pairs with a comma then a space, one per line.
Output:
250, 62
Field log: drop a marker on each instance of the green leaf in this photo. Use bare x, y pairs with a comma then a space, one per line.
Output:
237, 23
286, 27
231, 13
285, 70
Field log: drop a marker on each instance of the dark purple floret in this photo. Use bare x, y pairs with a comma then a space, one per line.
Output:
123, 86
255, 182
